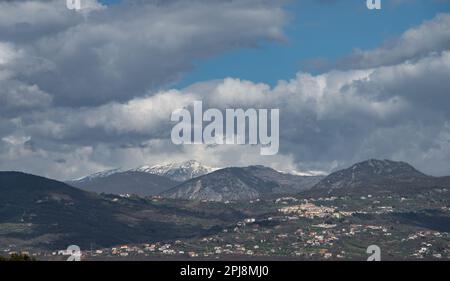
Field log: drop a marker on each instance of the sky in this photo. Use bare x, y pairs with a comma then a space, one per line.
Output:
317, 31
91, 90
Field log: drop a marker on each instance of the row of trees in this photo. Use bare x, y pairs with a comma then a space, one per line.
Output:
17, 257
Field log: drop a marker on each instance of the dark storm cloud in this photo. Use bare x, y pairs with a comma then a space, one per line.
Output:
115, 53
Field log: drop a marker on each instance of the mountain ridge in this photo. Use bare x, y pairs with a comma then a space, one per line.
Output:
375, 173
240, 183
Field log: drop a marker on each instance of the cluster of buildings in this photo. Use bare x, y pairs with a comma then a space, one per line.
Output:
308, 210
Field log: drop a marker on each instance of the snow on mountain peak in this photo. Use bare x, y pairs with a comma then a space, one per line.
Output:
102, 174
178, 171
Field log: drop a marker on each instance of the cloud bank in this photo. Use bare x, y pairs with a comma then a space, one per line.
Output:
83, 93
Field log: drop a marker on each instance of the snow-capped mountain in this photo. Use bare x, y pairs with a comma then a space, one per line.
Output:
102, 174
175, 171
144, 181
178, 171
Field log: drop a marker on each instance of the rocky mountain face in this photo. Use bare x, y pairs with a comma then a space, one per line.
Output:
377, 174
233, 184
137, 183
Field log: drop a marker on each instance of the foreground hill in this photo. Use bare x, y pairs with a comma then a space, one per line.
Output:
234, 184
380, 174
39, 212
138, 183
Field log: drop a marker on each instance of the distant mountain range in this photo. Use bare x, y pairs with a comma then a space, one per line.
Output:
193, 181
143, 181
231, 184
175, 181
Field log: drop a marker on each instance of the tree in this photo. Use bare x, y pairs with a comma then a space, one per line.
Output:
18, 257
